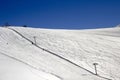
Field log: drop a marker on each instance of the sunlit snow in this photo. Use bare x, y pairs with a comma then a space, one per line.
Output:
22, 60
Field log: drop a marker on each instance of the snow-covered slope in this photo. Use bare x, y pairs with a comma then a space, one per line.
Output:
60, 54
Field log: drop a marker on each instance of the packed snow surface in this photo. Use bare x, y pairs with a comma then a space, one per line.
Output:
54, 54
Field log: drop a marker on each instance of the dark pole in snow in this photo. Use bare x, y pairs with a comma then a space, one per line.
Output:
34, 39
95, 64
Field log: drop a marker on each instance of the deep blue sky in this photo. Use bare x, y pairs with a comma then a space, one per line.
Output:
69, 14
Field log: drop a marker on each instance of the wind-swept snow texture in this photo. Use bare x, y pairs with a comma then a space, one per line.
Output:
74, 52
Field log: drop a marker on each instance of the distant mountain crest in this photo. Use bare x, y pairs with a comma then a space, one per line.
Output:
118, 25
